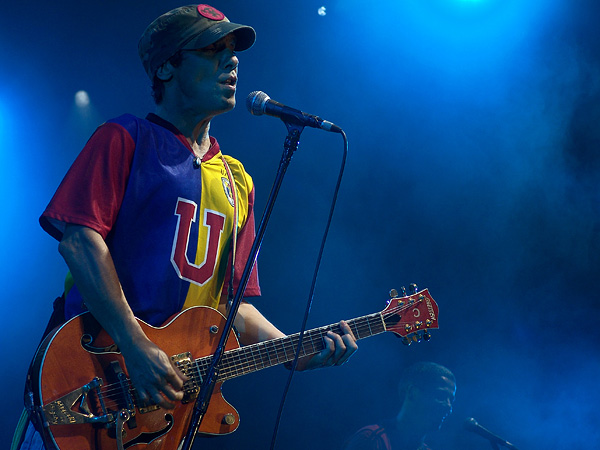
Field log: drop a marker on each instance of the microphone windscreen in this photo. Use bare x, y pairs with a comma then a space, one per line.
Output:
256, 101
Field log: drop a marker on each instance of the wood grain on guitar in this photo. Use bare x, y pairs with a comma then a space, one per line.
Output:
83, 393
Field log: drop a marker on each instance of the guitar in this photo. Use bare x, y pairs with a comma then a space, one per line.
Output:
83, 396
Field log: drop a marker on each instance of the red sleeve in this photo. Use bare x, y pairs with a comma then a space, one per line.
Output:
92, 190
244, 245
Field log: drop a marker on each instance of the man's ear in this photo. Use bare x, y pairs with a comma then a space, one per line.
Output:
412, 393
165, 72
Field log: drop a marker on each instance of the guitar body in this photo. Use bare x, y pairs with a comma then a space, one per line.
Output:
81, 350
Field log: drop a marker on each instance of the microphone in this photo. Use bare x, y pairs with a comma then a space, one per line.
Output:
259, 103
472, 425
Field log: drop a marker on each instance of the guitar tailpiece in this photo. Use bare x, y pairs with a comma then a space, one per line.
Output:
61, 411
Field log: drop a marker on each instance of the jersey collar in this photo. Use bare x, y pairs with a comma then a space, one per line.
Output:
214, 145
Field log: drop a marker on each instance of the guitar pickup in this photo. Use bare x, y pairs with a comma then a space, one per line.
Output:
191, 388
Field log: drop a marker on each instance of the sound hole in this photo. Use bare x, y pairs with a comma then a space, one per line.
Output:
146, 438
86, 343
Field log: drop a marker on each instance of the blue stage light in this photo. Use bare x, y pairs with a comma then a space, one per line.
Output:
458, 38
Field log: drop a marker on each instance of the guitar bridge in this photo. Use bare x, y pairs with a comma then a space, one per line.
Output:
73, 408
191, 388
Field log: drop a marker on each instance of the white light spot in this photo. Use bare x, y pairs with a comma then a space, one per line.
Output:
82, 99
322, 11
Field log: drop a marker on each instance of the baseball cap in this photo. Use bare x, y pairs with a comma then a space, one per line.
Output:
188, 27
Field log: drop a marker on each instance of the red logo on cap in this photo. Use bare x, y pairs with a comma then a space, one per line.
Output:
210, 13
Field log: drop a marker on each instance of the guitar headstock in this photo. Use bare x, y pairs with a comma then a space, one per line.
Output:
411, 316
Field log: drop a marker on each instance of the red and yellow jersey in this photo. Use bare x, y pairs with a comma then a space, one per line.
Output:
166, 219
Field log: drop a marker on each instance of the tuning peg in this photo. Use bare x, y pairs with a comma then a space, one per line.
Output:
393, 293
412, 288
403, 290
426, 335
406, 340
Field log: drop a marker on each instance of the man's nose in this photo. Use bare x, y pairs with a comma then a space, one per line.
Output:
230, 59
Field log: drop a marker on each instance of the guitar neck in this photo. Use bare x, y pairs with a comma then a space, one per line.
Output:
251, 358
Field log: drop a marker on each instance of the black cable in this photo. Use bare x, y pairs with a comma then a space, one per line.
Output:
312, 291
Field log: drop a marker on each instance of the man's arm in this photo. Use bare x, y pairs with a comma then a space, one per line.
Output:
152, 373
254, 327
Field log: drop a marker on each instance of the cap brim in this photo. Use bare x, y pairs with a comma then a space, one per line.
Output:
245, 36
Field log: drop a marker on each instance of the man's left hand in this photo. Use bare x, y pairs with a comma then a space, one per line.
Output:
338, 349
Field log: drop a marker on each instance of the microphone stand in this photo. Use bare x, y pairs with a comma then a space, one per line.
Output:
208, 384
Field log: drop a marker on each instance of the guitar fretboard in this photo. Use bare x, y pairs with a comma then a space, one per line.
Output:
250, 358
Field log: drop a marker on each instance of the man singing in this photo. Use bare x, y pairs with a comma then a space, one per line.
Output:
146, 215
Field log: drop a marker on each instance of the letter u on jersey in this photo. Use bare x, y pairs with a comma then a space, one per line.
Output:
214, 221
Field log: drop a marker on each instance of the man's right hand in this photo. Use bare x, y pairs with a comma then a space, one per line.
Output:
156, 379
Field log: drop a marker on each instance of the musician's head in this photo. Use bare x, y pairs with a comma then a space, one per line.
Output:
181, 34
427, 391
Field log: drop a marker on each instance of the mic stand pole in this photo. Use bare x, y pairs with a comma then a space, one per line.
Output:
208, 384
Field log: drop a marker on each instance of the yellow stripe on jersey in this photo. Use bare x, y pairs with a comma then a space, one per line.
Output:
216, 198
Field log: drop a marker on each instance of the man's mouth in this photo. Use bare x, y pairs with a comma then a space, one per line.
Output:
230, 81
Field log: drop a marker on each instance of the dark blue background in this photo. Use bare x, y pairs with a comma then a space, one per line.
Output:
473, 171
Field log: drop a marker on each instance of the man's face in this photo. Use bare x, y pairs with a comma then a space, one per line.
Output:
206, 79
436, 402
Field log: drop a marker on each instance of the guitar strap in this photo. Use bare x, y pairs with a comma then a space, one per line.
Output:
234, 233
